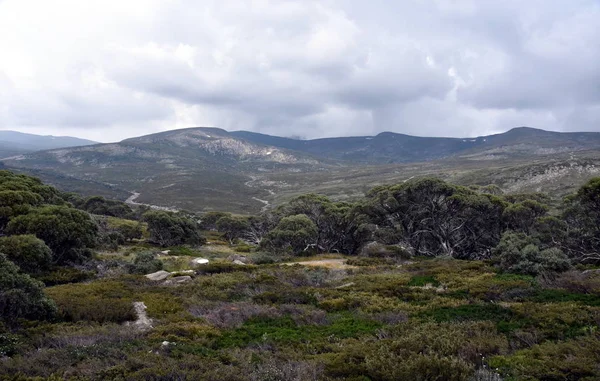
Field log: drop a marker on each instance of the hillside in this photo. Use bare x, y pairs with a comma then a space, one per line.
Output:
14, 143
390, 147
243, 172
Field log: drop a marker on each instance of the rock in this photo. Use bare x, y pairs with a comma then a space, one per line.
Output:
142, 323
238, 262
199, 261
191, 272
237, 257
346, 285
159, 275
178, 280
165, 252
165, 343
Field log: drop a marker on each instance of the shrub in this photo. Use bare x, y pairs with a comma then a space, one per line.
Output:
64, 275
170, 229
21, 296
145, 262
67, 231
575, 359
104, 301
378, 250
423, 280
295, 234
518, 253
26, 251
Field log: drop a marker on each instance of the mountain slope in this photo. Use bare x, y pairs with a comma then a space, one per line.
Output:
195, 168
390, 147
212, 169
13, 142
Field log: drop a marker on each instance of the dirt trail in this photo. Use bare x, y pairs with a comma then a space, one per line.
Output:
328, 263
135, 195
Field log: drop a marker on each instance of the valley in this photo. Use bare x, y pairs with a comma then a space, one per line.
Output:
204, 169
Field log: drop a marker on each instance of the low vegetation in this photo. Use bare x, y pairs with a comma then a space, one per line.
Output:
420, 281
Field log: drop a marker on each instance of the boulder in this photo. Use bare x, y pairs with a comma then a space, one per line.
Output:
159, 275
236, 257
238, 262
178, 280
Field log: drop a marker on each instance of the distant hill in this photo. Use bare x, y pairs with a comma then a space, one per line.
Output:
390, 147
244, 172
14, 143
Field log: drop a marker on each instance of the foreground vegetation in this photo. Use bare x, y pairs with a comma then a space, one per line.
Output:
430, 282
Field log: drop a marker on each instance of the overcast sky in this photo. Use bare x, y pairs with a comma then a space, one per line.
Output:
112, 69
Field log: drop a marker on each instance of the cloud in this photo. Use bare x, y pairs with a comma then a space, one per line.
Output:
109, 70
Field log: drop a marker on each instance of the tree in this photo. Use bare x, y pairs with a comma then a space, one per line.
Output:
582, 216
437, 218
232, 227
170, 229
336, 222
100, 205
294, 233
521, 216
21, 297
28, 252
67, 231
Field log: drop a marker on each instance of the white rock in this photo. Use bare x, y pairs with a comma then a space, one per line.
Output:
165, 252
200, 261
159, 275
238, 262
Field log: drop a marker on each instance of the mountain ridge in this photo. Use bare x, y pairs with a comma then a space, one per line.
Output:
15, 142
207, 168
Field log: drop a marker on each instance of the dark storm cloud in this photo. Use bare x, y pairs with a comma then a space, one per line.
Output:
109, 70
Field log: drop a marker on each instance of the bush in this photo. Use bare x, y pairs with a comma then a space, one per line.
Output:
26, 251
378, 250
105, 301
518, 253
146, 262
170, 229
21, 296
67, 231
575, 359
64, 275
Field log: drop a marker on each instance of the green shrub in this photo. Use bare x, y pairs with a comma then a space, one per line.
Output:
28, 252
505, 318
223, 267
518, 253
8, 344
423, 280
63, 275
243, 248
378, 250
21, 297
387, 365
263, 259
145, 262
575, 359
104, 301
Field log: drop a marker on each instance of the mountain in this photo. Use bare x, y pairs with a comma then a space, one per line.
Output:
390, 147
14, 143
187, 168
212, 169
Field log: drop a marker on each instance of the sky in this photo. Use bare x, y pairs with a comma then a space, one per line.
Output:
111, 69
